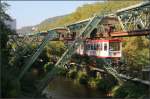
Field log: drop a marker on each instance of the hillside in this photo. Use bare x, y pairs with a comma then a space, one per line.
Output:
24, 30
86, 11
82, 12
47, 21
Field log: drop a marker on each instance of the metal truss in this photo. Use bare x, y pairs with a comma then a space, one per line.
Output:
129, 19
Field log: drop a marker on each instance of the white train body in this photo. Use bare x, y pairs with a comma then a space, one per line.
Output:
101, 48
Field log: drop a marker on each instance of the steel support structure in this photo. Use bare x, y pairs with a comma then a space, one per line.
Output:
130, 19
51, 35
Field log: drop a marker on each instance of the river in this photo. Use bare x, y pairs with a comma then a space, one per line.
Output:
62, 88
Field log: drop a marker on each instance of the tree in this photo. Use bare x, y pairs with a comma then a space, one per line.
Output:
136, 52
86, 11
9, 88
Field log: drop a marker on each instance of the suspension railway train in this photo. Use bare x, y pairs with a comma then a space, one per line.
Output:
101, 48
98, 43
95, 44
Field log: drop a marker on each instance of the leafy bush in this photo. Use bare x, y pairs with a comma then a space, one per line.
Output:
106, 84
93, 82
83, 79
48, 67
61, 72
130, 90
136, 56
73, 74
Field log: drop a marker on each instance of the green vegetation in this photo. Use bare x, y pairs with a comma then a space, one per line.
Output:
83, 78
8, 86
73, 74
44, 63
109, 85
131, 90
106, 84
12, 62
135, 50
86, 11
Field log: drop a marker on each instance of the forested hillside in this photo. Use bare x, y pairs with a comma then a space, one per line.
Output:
28, 29
81, 13
86, 11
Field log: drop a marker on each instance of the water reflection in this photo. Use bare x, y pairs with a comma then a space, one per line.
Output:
66, 88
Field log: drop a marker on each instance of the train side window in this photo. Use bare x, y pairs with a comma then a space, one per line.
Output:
105, 47
92, 46
88, 46
95, 46
100, 46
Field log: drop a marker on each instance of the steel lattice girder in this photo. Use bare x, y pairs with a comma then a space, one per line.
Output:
131, 18
51, 35
71, 50
87, 30
135, 17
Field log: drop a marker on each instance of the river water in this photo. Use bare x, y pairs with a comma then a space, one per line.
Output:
62, 88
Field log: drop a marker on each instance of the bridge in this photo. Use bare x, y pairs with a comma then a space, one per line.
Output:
127, 22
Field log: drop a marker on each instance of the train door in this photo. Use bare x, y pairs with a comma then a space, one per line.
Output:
99, 49
104, 52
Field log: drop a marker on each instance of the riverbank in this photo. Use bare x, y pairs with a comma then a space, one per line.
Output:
79, 83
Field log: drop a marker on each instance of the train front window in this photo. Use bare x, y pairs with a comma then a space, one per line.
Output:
114, 46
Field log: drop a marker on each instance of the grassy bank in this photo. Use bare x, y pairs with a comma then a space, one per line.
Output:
108, 84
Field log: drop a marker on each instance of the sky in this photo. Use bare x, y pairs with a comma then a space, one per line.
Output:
28, 13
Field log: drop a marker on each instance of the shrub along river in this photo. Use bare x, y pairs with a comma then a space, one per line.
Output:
82, 84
